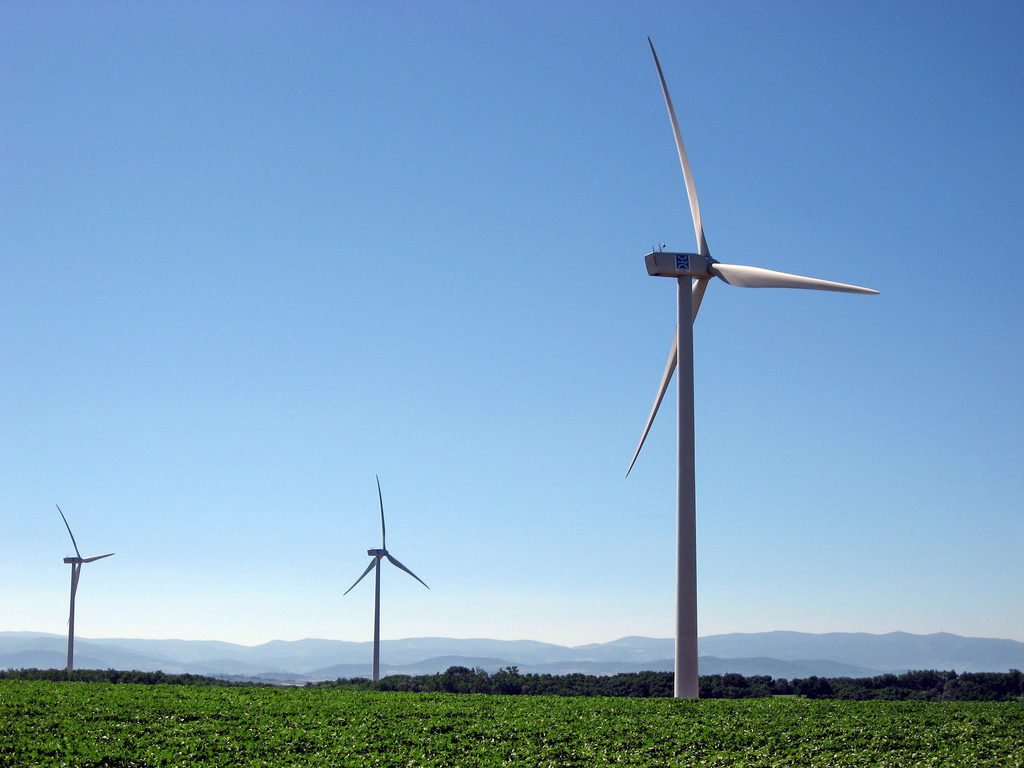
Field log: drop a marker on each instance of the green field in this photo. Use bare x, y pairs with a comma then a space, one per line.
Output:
100, 724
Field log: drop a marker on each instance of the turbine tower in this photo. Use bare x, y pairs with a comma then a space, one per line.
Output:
378, 555
692, 272
76, 569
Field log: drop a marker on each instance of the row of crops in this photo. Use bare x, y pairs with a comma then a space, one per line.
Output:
99, 724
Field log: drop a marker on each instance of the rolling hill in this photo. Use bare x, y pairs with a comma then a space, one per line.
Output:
779, 654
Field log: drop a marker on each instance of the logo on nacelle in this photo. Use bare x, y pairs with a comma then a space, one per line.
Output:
683, 261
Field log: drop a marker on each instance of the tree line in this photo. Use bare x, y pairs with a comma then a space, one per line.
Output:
921, 685
929, 685
115, 676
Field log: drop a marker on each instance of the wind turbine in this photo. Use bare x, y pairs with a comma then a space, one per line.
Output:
692, 272
378, 555
76, 569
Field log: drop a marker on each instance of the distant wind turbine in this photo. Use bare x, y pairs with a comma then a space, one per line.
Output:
692, 272
76, 569
378, 555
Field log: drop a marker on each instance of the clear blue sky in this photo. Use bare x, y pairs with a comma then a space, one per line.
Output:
254, 254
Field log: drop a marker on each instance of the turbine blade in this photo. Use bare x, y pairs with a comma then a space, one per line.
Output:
97, 557
368, 569
383, 533
394, 561
699, 286
666, 377
691, 187
69, 531
755, 277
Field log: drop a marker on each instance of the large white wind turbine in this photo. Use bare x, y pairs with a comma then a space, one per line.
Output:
692, 272
76, 569
378, 555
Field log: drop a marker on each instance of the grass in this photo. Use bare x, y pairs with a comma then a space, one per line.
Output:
99, 724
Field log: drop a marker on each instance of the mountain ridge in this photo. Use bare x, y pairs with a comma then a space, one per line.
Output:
778, 653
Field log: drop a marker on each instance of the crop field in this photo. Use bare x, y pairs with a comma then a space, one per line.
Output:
101, 724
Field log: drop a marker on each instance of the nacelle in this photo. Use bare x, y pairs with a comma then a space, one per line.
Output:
671, 264
376, 552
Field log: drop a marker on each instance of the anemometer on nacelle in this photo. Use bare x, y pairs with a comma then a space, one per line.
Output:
672, 264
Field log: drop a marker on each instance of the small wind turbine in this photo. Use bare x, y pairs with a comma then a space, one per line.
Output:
378, 555
76, 569
692, 272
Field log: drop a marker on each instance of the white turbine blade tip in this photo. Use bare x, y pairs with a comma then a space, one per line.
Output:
666, 377
394, 561
96, 557
368, 569
756, 277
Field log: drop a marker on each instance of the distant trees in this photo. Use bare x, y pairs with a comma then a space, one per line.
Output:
923, 685
930, 685
464, 680
735, 686
509, 681
114, 676
506, 681
813, 688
